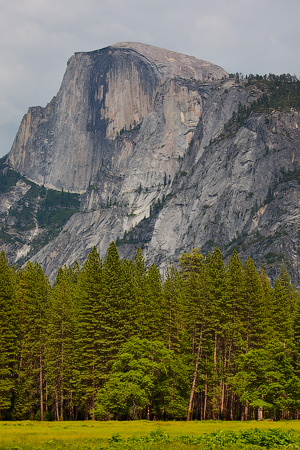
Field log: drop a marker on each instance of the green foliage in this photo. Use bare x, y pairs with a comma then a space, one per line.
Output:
274, 92
8, 334
56, 208
147, 380
266, 379
8, 177
32, 293
115, 340
38, 207
221, 439
157, 205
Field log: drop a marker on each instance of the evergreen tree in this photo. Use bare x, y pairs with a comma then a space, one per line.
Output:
256, 323
268, 302
32, 294
174, 330
153, 312
284, 304
90, 337
235, 307
197, 317
8, 335
140, 294
61, 353
234, 342
216, 275
117, 303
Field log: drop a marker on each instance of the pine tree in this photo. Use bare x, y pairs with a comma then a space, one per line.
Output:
234, 327
153, 313
173, 311
117, 303
8, 335
32, 295
197, 318
216, 275
140, 294
284, 304
268, 304
256, 322
61, 353
235, 306
90, 338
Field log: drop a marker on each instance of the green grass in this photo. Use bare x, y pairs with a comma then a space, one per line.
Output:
142, 435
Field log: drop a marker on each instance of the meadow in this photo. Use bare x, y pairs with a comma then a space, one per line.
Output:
142, 435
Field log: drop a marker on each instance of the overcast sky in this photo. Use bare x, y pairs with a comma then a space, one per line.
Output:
37, 37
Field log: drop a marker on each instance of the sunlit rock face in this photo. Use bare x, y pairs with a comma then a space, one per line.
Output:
139, 132
76, 137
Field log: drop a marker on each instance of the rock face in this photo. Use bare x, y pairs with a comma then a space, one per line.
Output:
144, 135
76, 137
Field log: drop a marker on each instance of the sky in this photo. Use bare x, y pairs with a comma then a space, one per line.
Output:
37, 37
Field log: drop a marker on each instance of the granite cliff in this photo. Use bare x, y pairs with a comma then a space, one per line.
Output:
168, 153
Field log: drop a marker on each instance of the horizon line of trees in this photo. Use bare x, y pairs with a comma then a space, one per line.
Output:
112, 340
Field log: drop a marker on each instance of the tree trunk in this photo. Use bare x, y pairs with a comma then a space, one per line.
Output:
41, 387
194, 379
215, 351
56, 405
223, 400
71, 405
260, 413
61, 400
205, 400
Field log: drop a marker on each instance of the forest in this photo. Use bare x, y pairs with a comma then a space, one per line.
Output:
113, 340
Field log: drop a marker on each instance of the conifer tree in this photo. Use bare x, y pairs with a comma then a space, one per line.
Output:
216, 271
268, 302
153, 313
256, 323
61, 353
198, 315
140, 294
234, 328
235, 306
284, 304
90, 338
32, 295
174, 329
8, 334
117, 303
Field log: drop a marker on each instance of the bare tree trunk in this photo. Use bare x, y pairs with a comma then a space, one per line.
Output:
260, 413
41, 387
194, 379
56, 405
62, 377
222, 399
61, 399
215, 351
231, 415
71, 405
246, 412
46, 396
205, 400
93, 396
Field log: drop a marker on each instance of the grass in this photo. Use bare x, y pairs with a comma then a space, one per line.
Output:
157, 435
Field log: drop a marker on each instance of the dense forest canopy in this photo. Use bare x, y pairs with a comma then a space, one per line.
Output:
112, 340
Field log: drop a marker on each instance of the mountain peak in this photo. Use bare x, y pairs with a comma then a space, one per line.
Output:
171, 64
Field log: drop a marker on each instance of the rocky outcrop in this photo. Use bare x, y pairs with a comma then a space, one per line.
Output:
167, 154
